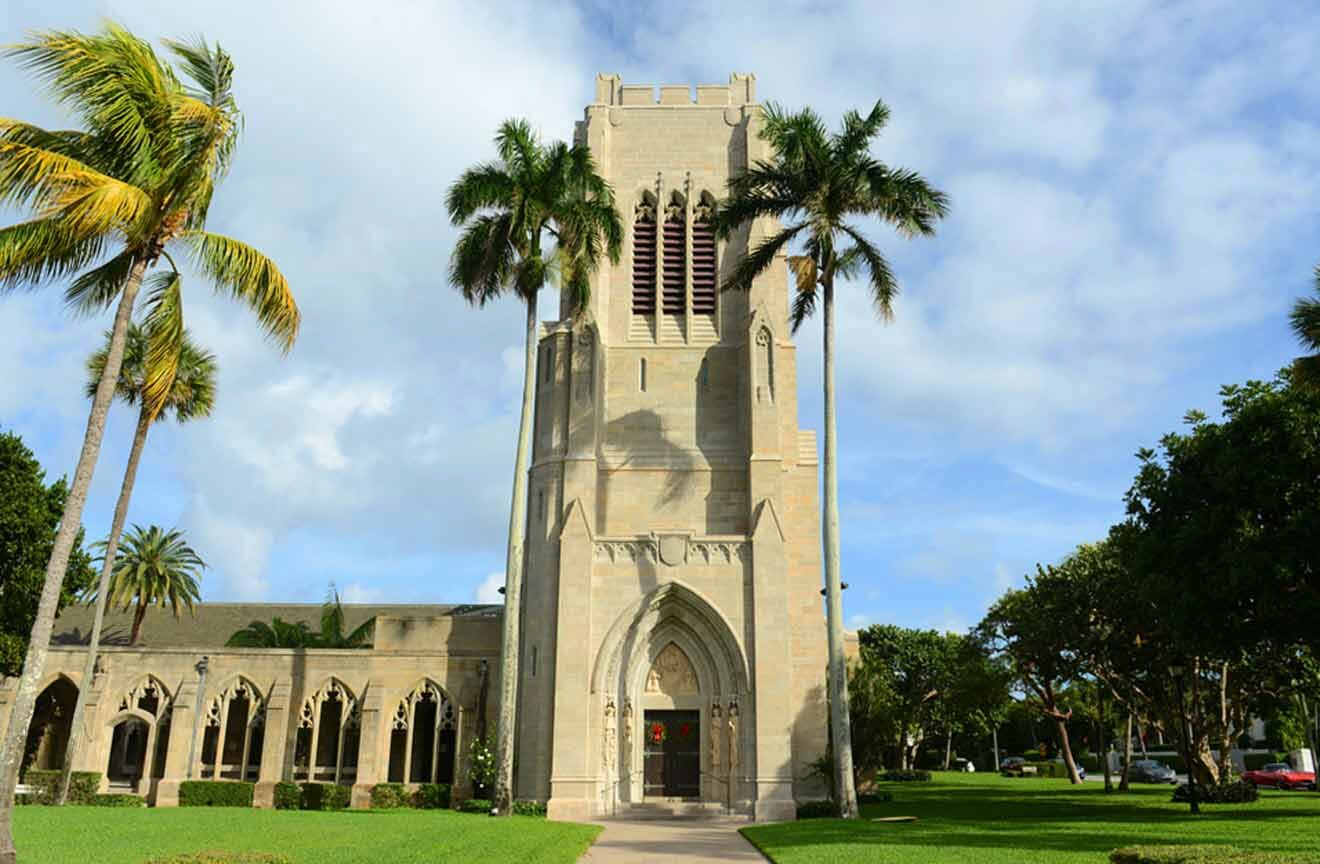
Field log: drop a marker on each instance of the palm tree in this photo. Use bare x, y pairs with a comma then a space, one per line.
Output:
191, 395
157, 568
109, 203
1305, 319
332, 633
818, 181
277, 634
537, 211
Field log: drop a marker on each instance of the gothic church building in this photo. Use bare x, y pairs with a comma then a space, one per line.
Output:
672, 630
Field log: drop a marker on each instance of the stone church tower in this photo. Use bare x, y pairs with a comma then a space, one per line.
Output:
673, 633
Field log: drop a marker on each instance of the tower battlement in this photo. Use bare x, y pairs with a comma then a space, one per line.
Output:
741, 90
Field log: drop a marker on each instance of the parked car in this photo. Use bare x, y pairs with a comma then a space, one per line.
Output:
1150, 771
964, 765
1012, 764
1280, 775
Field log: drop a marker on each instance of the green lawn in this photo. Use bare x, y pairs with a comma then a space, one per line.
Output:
95, 835
996, 820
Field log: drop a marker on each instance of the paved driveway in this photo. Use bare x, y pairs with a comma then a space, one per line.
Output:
680, 842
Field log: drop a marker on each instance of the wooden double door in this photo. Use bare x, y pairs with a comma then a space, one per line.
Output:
672, 754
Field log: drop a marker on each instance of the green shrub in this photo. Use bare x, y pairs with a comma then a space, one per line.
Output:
1198, 855
1224, 793
529, 808
432, 796
1090, 763
389, 796
325, 796
83, 786
904, 776
1256, 761
220, 857
287, 796
818, 810
215, 793
475, 805
118, 800
875, 798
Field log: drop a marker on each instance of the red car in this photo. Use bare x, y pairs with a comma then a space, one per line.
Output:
1280, 776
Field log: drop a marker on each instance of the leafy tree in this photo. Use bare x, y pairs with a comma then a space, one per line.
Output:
191, 395
1035, 629
538, 211
277, 634
284, 634
157, 568
29, 517
1305, 321
110, 201
821, 183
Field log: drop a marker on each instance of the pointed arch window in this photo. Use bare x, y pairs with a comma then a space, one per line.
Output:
643, 294
235, 732
140, 737
424, 736
329, 729
674, 295
703, 257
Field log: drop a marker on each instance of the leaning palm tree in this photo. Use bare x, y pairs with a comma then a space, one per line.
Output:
818, 182
1305, 319
157, 568
109, 203
191, 395
539, 211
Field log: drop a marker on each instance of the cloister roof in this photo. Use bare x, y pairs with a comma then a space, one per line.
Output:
214, 623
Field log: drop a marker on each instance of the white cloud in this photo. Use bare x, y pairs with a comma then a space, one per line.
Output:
489, 590
355, 592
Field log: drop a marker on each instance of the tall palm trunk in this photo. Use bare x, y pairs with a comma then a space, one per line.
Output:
840, 720
139, 613
102, 592
513, 571
1127, 756
25, 698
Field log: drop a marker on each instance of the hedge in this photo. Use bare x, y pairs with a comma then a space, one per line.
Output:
818, 810
83, 786
1199, 855
904, 776
432, 796
1256, 761
529, 808
389, 796
325, 796
221, 857
874, 798
118, 800
215, 793
475, 805
1224, 793
287, 796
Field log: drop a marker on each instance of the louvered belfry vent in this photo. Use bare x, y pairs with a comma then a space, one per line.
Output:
643, 298
675, 259
703, 258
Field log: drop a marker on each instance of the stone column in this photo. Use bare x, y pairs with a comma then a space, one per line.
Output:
273, 742
772, 659
371, 733
572, 778
182, 716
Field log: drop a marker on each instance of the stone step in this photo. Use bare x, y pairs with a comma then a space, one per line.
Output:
676, 809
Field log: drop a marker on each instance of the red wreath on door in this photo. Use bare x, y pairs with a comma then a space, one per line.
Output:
657, 733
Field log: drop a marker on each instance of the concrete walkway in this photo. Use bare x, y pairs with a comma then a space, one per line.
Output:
676, 842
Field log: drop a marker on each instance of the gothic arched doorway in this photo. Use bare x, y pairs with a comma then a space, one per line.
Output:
52, 722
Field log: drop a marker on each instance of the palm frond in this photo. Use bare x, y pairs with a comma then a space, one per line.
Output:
482, 263
248, 275
43, 250
210, 68
855, 136
129, 385
759, 259
63, 142
1305, 318
906, 200
98, 288
479, 188
884, 287
519, 146
163, 329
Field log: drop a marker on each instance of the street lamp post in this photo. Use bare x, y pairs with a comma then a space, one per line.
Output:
1177, 672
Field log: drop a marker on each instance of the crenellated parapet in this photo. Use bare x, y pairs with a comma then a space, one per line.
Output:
741, 90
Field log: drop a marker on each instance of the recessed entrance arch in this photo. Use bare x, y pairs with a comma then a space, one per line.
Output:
671, 659
52, 720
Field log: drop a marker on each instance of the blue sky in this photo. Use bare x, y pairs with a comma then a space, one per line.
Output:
1133, 191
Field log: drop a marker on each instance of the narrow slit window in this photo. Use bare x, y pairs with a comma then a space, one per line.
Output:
643, 298
549, 363
703, 257
674, 296
641, 375
533, 661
